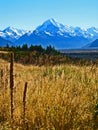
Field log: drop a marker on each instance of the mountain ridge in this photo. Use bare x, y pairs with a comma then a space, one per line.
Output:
12, 34
52, 33
92, 45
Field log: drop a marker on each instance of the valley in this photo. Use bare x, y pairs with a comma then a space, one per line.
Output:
88, 54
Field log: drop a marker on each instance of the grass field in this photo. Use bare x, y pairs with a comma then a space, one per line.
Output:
62, 97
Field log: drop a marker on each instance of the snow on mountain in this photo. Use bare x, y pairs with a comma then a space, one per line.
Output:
2, 34
55, 34
12, 34
14, 31
52, 33
93, 32
53, 27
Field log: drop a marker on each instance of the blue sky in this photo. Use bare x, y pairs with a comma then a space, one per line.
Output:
28, 14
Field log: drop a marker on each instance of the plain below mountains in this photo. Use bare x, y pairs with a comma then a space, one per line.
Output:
50, 33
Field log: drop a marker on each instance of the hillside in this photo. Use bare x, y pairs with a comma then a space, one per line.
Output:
4, 42
58, 97
93, 44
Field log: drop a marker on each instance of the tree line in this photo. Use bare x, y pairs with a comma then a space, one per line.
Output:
34, 54
37, 55
38, 48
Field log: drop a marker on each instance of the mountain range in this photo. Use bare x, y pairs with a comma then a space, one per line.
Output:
50, 33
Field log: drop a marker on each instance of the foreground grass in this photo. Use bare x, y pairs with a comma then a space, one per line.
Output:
61, 97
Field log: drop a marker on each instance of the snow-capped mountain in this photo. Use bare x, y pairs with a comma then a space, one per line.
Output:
57, 35
53, 27
12, 34
52, 33
93, 32
2, 34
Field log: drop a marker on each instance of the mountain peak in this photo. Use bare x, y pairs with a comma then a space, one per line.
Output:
50, 26
11, 33
8, 28
14, 31
51, 21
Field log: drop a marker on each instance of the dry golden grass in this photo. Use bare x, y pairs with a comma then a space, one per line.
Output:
61, 97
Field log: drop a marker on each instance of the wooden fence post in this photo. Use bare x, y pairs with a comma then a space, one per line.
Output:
12, 87
24, 105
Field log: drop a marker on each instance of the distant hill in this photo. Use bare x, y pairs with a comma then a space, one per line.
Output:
92, 45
